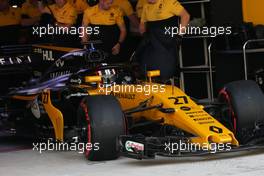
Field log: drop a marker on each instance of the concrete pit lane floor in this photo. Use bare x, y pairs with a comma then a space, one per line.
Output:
18, 158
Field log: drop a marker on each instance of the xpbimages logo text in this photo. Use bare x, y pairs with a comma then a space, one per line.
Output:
146, 89
58, 30
182, 146
63, 146
212, 31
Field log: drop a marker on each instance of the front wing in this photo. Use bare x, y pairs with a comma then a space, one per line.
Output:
140, 147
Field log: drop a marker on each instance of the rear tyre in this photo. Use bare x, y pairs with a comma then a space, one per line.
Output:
245, 102
101, 121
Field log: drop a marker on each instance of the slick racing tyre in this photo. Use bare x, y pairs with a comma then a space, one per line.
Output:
100, 122
245, 102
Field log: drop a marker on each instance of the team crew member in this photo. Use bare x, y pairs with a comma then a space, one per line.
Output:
63, 12
109, 20
30, 12
132, 26
80, 6
127, 10
161, 51
10, 20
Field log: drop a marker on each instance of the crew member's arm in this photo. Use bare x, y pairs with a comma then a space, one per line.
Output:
123, 32
139, 7
85, 36
85, 24
122, 37
142, 28
129, 12
178, 9
185, 18
142, 25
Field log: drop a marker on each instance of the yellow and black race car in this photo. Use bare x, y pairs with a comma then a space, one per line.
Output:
79, 95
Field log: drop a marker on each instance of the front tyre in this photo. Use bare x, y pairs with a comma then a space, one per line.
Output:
100, 122
245, 102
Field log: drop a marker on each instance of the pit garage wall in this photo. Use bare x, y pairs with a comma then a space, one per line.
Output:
193, 54
223, 12
236, 11
228, 61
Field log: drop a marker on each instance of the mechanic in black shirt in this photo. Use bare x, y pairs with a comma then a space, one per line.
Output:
158, 49
111, 27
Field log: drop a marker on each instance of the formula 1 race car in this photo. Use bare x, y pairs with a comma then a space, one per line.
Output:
69, 92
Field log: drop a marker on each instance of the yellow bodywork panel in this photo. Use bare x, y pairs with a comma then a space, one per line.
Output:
92, 79
54, 114
253, 11
188, 116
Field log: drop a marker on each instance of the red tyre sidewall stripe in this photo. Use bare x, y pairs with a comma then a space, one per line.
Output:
231, 111
85, 109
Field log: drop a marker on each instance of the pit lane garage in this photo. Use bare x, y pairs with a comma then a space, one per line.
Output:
67, 109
